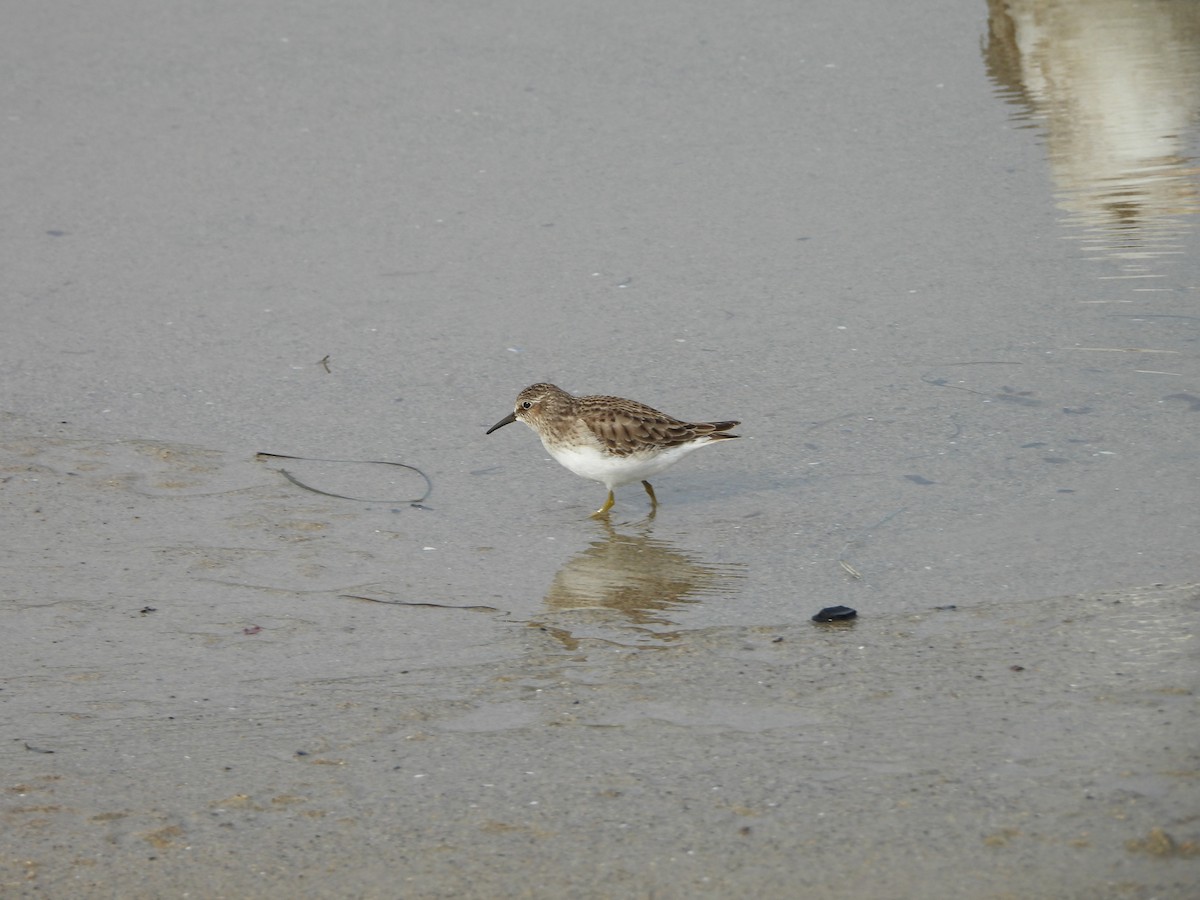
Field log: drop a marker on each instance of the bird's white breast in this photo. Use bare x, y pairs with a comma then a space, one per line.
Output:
613, 471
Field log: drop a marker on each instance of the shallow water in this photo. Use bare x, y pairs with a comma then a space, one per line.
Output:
942, 261
1113, 88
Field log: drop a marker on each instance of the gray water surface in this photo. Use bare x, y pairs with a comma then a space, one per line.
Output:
941, 259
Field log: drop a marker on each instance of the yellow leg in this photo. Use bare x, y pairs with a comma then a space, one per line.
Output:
650, 491
608, 504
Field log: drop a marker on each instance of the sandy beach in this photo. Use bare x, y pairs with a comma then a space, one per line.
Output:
941, 260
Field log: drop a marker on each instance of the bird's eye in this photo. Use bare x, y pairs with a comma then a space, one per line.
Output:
526, 405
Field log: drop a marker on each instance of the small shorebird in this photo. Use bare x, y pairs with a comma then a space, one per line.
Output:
610, 439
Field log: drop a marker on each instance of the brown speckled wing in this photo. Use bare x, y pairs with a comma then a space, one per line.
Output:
625, 427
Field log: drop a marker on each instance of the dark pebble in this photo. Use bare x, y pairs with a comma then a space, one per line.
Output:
835, 614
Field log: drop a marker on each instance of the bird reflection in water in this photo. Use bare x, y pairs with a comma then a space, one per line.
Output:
638, 578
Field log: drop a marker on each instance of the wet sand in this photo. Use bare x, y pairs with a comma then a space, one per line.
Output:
969, 405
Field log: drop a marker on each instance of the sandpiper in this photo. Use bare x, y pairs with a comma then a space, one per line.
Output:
610, 439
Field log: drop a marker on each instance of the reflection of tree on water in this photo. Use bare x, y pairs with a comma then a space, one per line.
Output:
1116, 86
637, 576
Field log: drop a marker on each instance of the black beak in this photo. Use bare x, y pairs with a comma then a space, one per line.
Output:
507, 420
